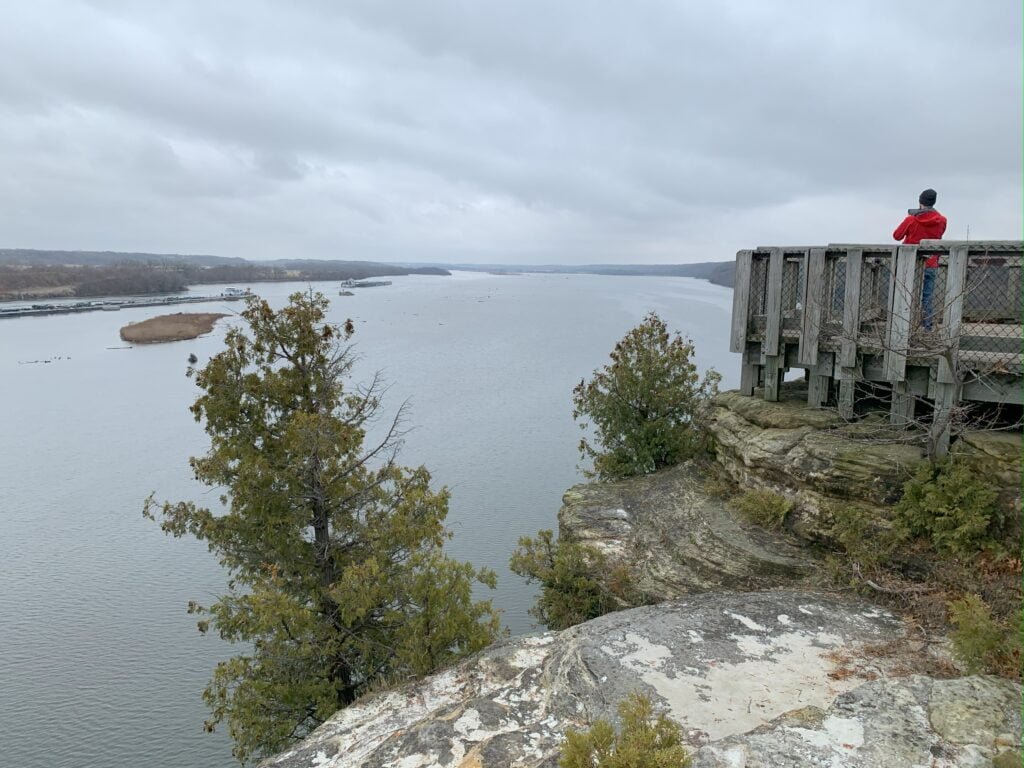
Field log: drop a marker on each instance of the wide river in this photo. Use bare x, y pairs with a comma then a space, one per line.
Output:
99, 663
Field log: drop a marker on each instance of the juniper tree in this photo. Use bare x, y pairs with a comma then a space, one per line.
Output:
338, 581
648, 407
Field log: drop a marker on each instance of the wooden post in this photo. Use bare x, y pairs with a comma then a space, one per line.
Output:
773, 306
773, 327
901, 411
749, 369
772, 378
902, 304
741, 303
945, 399
851, 308
956, 284
819, 376
847, 388
814, 287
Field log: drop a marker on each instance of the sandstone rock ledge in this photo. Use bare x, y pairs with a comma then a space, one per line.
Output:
780, 679
821, 462
675, 539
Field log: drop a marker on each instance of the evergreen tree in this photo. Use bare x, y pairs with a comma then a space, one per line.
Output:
338, 579
648, 408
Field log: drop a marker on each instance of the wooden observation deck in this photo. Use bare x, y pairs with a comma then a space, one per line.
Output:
854, 317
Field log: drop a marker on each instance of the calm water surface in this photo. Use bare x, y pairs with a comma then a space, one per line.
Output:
99, 663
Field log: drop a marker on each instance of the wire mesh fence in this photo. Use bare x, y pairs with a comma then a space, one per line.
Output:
990, 333
835, 293
793, 277
907, 302
756, 317
874, 299
930, 302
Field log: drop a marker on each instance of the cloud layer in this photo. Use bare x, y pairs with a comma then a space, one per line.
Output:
569, 132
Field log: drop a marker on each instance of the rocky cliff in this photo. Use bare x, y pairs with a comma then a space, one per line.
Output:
782, 679
756, 671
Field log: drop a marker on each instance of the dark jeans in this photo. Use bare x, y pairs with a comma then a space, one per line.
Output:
927, 294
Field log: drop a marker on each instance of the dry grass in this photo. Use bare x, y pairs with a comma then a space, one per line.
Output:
176, 327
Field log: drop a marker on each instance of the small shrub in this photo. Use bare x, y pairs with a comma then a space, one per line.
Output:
864, 536
954, 505
572, 578
765, 508
981, 643
642, 742
717, 482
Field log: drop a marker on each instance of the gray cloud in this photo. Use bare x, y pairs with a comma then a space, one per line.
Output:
519, 132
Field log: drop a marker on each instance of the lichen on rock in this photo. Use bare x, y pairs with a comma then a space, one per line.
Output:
751, 678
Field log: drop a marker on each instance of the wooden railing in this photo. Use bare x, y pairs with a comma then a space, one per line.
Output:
853, 312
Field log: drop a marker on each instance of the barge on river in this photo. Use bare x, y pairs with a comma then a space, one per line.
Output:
230, 294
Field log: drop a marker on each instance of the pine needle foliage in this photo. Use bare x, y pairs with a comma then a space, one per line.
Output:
337, 575
648, 408
576, 582
642, 741
954, 505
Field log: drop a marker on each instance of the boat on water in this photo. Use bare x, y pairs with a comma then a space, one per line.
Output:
346, 285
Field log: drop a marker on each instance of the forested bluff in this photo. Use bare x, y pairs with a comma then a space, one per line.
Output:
38, 274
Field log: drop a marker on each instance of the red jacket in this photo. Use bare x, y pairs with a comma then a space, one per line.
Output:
924, 225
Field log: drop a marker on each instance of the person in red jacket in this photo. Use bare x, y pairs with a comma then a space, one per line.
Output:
924, 223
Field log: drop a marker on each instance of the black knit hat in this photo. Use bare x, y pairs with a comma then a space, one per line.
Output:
927, 197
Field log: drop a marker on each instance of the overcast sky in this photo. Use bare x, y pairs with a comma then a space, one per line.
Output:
517, 132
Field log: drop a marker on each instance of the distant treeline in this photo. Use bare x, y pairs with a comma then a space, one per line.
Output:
51, 281
717, 272
137, 277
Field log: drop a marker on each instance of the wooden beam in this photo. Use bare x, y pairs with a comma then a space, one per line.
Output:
814, 287
773, 306
994, 389
741, 302
851, 308
952, 316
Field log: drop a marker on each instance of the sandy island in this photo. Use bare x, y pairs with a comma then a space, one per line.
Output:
176, 327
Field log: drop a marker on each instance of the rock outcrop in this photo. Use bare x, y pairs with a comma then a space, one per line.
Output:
781, 679
811, 456
819, 461
674, 538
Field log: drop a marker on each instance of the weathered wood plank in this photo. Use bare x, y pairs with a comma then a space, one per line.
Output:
851, 308
994, 389
741, 302
952, 316
814, 288
773, 306
901, 309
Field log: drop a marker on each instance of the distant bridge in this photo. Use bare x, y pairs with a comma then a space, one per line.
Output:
855, 317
